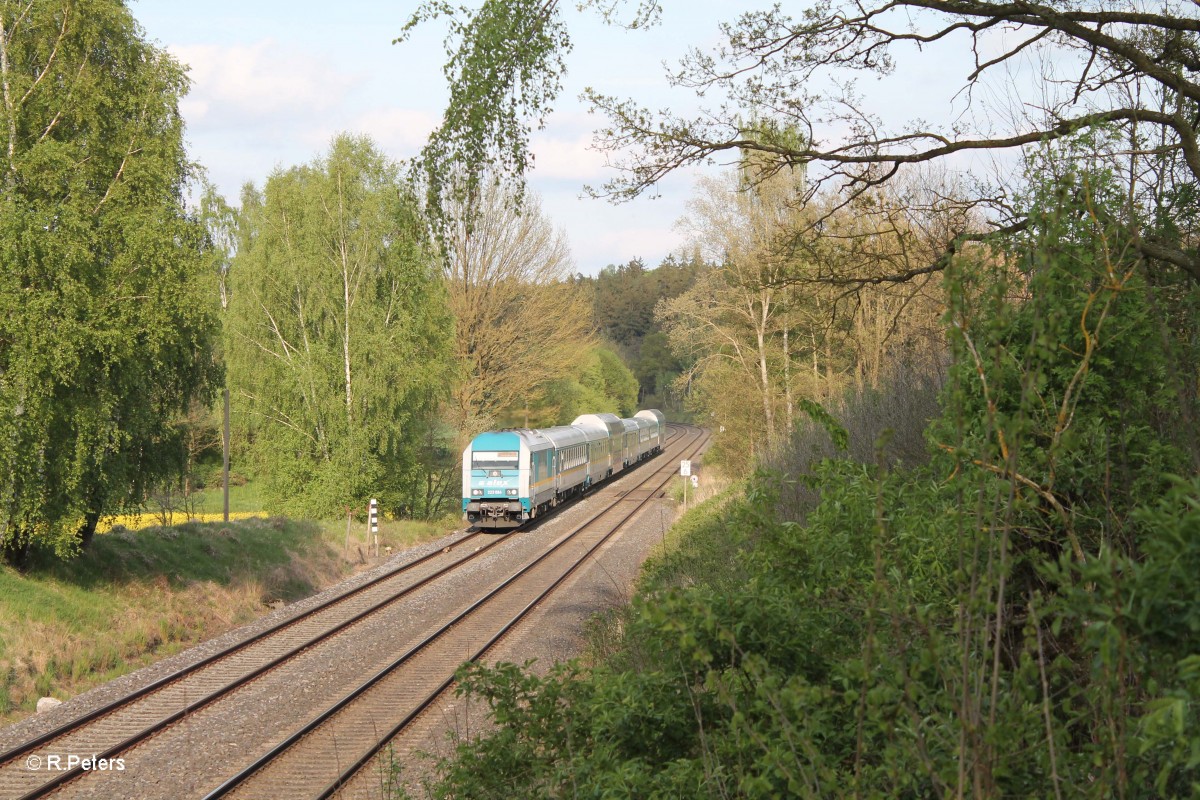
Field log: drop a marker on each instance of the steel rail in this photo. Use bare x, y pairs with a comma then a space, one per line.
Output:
78, 723
248, 772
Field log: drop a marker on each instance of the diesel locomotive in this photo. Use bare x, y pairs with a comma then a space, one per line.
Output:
512, 476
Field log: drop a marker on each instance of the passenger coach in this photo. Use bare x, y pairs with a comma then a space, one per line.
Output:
512, 476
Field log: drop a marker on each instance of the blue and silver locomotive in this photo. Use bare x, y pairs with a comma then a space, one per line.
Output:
512, 476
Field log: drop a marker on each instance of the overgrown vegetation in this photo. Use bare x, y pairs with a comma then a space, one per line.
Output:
1012, 612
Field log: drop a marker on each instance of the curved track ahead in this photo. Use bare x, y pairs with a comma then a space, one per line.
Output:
321, 757
109, 731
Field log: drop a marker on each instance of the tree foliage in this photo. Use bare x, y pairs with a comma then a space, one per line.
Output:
597, 382
340, 345
506, 67
1015, 617
1104, 62
106, 305
625, 296
506, 64
760, 330
521, 324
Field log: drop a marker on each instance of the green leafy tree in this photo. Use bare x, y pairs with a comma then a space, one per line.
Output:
656, 367
340, 346
507, 60
598, 382
107, 316
616, 381
1077, 372
625, 298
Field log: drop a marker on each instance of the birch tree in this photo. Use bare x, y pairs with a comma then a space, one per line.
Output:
106, 322
521, 324
734, 312
340, 336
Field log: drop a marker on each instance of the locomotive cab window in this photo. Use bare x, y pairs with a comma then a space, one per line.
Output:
494, 459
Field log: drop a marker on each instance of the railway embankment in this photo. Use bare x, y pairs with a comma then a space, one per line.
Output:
186, 732
135, 597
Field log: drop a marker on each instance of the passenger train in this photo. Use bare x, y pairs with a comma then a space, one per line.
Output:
512, 476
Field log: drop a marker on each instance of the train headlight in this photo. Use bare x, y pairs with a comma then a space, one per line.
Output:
494, 473
511, 492
477, 493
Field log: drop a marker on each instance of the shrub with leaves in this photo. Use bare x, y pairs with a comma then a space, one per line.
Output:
1016, 617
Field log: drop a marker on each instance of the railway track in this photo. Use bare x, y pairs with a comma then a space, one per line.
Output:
321, 757
110, 731
114, 727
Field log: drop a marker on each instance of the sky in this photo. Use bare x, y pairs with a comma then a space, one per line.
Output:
273, 81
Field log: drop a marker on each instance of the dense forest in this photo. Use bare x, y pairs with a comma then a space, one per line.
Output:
625, 300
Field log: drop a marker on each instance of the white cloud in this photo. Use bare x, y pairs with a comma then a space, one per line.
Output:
573, 158
258, 81
401, 132
652, 244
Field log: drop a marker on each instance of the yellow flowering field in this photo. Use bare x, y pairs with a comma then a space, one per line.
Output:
135, 522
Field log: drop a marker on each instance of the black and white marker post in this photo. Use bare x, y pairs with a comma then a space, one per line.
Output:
375, 526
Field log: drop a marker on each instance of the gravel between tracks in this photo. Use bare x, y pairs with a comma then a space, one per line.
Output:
555, 631
194, 755
92, 699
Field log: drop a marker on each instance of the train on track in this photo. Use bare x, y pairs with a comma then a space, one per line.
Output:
512, 476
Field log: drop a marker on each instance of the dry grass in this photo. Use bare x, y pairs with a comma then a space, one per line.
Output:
135, 597
711, 481
142, 592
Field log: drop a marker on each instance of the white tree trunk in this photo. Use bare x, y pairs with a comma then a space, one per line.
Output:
764, 373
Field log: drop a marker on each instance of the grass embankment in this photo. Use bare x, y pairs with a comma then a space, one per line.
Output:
136, 596
698, 548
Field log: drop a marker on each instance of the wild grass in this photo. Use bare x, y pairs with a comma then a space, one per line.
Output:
136, 596
394, 535
133, 597
245, 498
697, 546
712, 482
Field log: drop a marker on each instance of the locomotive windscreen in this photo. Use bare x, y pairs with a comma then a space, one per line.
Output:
502, 459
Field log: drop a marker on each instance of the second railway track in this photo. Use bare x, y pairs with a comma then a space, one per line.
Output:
117, 727
321, 757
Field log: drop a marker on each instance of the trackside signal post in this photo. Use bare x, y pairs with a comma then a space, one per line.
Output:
685, 469
374, 522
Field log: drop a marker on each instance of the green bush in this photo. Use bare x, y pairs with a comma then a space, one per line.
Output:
1016, 617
